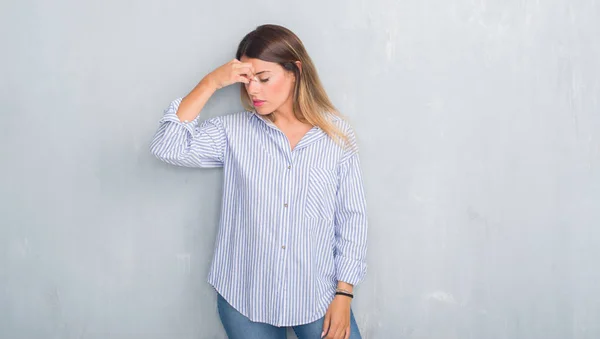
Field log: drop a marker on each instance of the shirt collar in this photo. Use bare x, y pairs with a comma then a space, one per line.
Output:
313, 135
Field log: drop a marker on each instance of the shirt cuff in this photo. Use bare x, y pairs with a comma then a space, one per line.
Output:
170, 115
350, 271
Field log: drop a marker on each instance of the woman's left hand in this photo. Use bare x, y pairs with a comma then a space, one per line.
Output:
337, 319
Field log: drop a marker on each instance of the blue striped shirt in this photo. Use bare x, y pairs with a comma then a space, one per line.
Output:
293, 222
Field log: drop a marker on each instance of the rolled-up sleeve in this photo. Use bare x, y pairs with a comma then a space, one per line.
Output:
350, 219
189, 144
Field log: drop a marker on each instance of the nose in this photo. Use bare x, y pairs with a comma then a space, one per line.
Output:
252, 87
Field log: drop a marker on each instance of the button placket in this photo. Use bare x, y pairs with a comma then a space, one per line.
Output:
286, 205
285, 222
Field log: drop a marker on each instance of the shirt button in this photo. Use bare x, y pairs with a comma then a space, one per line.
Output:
285, 205
283, 247
289, 167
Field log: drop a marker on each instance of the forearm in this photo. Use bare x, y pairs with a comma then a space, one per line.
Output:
193, 103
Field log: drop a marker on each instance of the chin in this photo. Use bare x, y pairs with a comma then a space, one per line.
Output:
262, 111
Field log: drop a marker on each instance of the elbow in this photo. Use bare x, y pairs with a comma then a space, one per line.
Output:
170, 144
162, 151
157, 150
171, 154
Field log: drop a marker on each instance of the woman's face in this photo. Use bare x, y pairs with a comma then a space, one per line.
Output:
271, 89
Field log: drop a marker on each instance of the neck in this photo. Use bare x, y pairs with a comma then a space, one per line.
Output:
285, 115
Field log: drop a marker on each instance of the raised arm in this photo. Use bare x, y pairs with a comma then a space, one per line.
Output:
180, 139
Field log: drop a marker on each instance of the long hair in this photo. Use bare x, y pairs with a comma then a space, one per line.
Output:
311, 104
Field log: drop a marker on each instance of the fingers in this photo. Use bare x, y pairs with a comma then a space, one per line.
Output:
326, 325
232, 72
244, 76
241, 72
332, 332
243, 79
340, 333
337, 331
244, 68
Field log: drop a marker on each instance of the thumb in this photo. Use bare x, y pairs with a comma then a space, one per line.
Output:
325, 325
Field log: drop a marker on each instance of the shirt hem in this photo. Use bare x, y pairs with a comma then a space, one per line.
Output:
319, 314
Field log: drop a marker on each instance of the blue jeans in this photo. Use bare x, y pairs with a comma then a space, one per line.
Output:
237, 326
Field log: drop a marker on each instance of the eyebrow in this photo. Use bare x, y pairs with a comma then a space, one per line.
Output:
257, 73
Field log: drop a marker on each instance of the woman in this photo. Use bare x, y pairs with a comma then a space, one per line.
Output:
291, 243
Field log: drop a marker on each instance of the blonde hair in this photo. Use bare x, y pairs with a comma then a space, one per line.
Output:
311, 104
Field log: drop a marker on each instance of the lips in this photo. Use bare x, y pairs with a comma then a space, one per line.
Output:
257, 103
